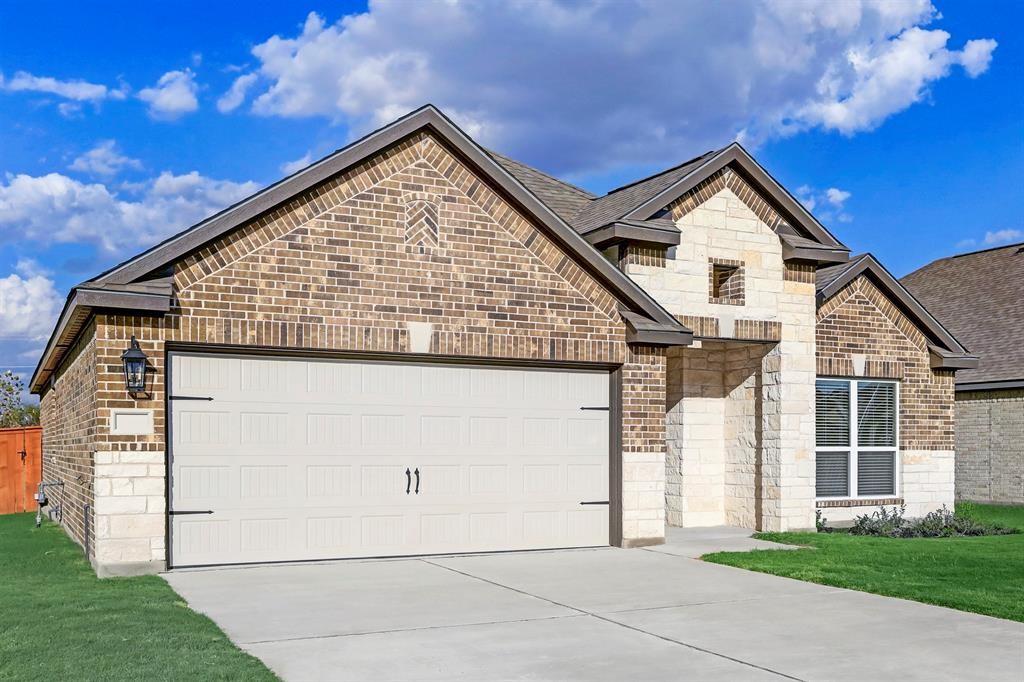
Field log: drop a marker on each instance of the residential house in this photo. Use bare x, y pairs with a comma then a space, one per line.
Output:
418, 346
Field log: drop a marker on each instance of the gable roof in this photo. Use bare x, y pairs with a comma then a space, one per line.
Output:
946, 351
659, 327
979, 296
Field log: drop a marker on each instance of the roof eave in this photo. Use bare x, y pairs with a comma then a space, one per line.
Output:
942, 359
821, 256
1006, 384
621, 232
80, 304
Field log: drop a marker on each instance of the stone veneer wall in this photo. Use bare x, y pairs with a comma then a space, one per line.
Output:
990, 446
724, 219
715, 431
68, 414
340, 268
861, 321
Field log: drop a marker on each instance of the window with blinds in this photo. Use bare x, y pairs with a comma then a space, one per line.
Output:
857, 434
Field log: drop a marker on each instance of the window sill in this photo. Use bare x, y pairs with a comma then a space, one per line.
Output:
858, 502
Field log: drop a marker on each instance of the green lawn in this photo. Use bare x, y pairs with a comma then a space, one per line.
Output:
980, 574
58, 621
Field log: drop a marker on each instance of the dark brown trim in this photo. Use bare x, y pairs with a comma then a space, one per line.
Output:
376, 356
989, 385
792, 252
941, 359
79, 308
764, 183
615, 459
619, 231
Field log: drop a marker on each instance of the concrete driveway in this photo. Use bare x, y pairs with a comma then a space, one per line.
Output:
601, 614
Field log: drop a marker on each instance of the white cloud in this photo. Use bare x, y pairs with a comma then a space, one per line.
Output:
1002, 237
297, 165
104, 159
75, 90
29, 303
235, 95
593, 85
836, 197
884, 78
55, 208
172, 96
831, 203
70, 109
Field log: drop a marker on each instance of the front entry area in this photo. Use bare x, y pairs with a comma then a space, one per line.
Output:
290, 459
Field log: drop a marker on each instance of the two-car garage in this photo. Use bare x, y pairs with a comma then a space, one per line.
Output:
298, 458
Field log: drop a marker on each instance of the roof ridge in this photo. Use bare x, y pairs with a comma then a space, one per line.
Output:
991, 248
560, 181
662, 172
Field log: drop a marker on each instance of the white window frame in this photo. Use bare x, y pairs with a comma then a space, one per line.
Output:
854, 449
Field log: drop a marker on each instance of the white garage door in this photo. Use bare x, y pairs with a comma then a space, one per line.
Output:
280, 459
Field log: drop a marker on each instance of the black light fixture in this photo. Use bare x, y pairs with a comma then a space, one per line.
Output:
135, 366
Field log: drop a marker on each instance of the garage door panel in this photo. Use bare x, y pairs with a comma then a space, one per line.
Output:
307, 459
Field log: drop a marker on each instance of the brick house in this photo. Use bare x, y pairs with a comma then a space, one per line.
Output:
978, 297
419, 346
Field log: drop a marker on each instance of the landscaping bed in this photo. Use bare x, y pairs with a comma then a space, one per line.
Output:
61, 622
979, 573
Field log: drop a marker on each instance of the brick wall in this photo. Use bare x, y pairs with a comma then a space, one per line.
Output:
342, 268
990, 446
69, 421
861, 325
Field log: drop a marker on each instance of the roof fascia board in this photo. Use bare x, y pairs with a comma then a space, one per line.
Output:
625, 232
989, 385
651, 337
817, 255
764, 182
87, 300
903, 297
939, 359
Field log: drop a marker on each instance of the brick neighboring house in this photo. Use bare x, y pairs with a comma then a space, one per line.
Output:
979, 297
417, 346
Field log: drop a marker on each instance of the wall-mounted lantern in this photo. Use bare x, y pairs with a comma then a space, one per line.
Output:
135, 366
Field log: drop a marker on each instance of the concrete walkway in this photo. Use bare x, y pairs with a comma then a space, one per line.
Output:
600, 614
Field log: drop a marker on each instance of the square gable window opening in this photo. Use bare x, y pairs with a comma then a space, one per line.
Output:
726, 282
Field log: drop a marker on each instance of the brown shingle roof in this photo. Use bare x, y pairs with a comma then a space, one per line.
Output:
564, 199
980, 298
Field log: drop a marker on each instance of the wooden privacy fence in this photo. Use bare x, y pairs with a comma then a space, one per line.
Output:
20, 468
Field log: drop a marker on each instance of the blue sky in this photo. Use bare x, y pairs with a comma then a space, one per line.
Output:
901, 125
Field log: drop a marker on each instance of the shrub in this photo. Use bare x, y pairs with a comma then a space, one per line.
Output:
941, 523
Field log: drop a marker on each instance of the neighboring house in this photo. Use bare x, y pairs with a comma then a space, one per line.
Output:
980, 297
417, 346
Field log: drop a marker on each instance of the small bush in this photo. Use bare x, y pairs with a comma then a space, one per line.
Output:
941, 523
821, 523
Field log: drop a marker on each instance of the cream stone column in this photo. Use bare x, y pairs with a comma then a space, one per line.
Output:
789, 371
130, 513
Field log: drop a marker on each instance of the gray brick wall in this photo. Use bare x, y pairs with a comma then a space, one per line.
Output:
990, 446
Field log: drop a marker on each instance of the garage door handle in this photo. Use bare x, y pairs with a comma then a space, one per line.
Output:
175, 512
600, 502
408, 480
417, 472
598, 409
